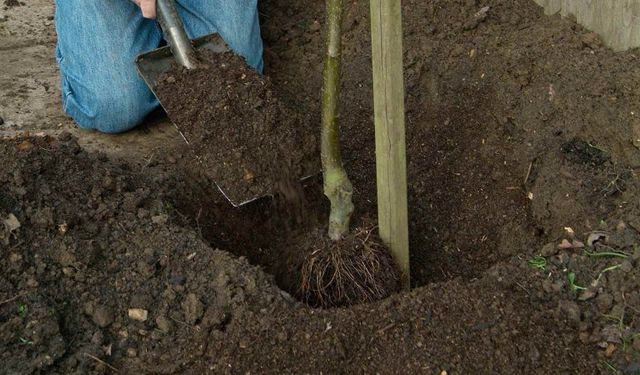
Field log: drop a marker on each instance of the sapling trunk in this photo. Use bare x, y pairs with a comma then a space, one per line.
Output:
337, 186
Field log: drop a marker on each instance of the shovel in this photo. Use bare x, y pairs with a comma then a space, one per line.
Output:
152, 65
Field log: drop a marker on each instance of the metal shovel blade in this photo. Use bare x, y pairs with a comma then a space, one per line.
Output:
152, 65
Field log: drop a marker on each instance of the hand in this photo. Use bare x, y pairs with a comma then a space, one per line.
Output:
148, 7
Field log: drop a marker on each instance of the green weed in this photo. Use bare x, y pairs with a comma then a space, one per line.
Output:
606, 254
609, 366
572, 282
608, 269
538, 262
22, 311
24, 341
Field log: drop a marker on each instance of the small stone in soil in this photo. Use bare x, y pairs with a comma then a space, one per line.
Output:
11, 223
193, 309
163, 324
549, 249
97, 338
160, 219
102, 316
571, 310
139, 315
588, 294
612, 334
610, 350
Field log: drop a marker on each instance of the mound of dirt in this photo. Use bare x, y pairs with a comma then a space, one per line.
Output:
94, 267
99, 277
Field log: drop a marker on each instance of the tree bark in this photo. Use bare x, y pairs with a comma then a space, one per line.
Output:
337, 186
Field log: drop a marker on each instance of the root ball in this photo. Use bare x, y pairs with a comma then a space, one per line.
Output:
355, 269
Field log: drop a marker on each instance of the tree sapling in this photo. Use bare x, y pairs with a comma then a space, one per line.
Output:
344, 267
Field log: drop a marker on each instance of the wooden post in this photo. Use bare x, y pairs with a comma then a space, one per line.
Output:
388, 92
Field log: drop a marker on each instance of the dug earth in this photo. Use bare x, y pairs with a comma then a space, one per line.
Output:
524, 229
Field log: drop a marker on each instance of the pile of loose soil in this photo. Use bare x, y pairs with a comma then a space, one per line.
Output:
93, 267
240, 133
99, 277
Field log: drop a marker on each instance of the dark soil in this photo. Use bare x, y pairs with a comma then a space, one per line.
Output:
580, 151
490, 105
523, 212
93, 242
240, 133
100, 276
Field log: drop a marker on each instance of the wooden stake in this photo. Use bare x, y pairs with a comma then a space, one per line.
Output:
388, 92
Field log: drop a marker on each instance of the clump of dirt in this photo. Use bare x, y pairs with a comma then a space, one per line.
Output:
355, 269
241, 134
582, 151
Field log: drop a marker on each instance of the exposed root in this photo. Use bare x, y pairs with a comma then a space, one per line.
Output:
355, 269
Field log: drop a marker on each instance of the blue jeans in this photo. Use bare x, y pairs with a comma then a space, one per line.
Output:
98, 41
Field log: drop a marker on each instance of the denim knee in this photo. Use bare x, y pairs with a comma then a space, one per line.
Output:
110, 111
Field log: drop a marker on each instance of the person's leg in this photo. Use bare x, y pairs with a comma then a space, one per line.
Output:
235, 20
98, 41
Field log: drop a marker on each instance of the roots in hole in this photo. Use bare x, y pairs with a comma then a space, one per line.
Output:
356, 269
